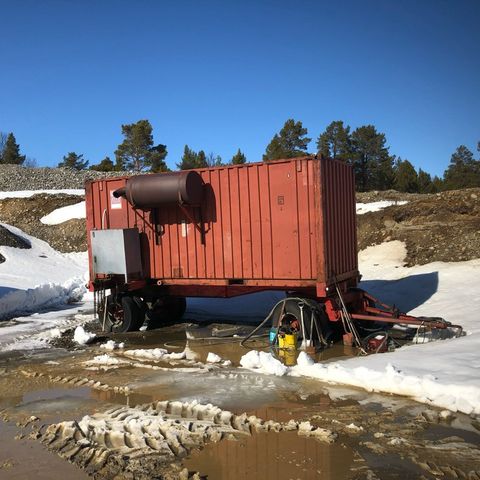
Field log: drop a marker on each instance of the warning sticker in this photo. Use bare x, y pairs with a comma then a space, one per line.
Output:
115, 203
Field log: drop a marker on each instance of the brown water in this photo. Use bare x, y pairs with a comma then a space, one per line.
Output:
27, 459
275, 456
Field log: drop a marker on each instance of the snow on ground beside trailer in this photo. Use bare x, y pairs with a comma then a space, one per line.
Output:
63, 214
444, 373
30, 193
376, 206
38, 278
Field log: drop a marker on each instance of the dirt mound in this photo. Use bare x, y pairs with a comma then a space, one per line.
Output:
9, 239
378, 195
439, 227
25, 213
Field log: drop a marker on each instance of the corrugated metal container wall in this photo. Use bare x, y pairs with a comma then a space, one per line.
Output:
339, 221
287, 223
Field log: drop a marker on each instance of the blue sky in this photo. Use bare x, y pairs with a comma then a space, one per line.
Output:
222, 75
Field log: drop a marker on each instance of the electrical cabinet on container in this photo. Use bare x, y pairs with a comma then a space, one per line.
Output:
117, 252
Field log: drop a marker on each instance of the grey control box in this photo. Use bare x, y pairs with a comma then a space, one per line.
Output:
117, 252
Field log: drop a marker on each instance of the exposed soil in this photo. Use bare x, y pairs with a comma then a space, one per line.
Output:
440, 227
25, 213
9, 239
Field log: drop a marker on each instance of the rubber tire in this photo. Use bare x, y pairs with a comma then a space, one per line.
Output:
133, 315
292, 308
170, 312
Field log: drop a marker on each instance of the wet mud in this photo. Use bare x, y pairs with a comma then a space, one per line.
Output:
186, 418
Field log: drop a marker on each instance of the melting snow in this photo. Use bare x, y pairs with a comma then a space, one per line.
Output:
112, 345
213, 358
155, 354
30, 193
63, 214
37, 278
82, 337
375, 206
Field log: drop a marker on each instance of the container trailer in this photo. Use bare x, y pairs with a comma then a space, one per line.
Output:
289, 225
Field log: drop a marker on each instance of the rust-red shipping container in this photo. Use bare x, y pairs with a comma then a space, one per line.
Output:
287, 224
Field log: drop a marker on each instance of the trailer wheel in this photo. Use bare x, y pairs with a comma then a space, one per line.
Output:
124, 314
166, 310
292, 312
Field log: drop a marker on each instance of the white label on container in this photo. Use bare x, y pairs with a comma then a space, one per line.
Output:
115, 203
184, 229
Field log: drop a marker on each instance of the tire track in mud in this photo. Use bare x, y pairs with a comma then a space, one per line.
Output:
77, 381
139, 442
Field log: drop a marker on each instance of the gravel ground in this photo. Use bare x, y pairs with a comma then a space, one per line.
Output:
15, 177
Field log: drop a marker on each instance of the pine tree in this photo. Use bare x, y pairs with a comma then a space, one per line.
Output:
106, 165
11, 151
137, 151
239, 158
214, 160
372, 162
437, 184
157, 159
335, 142
290, 142
425, 184
192, 159
201, 160
463, 171
3, 140
406, 178
73, 160
188, 160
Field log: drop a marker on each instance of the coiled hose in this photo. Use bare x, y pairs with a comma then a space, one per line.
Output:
311, 303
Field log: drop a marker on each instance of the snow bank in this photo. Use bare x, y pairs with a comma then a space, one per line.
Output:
376, 206
442, 373
377, 374
63, 214
30, 193
38, 278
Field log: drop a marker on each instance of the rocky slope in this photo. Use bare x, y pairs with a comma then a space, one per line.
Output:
438, 227
25, 213
15, 177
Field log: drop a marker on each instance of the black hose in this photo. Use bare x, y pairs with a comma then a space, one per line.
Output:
311, 303
267, 318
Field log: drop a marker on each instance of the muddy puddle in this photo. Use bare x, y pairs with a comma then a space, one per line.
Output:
25, 458
272, 456
369, 435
